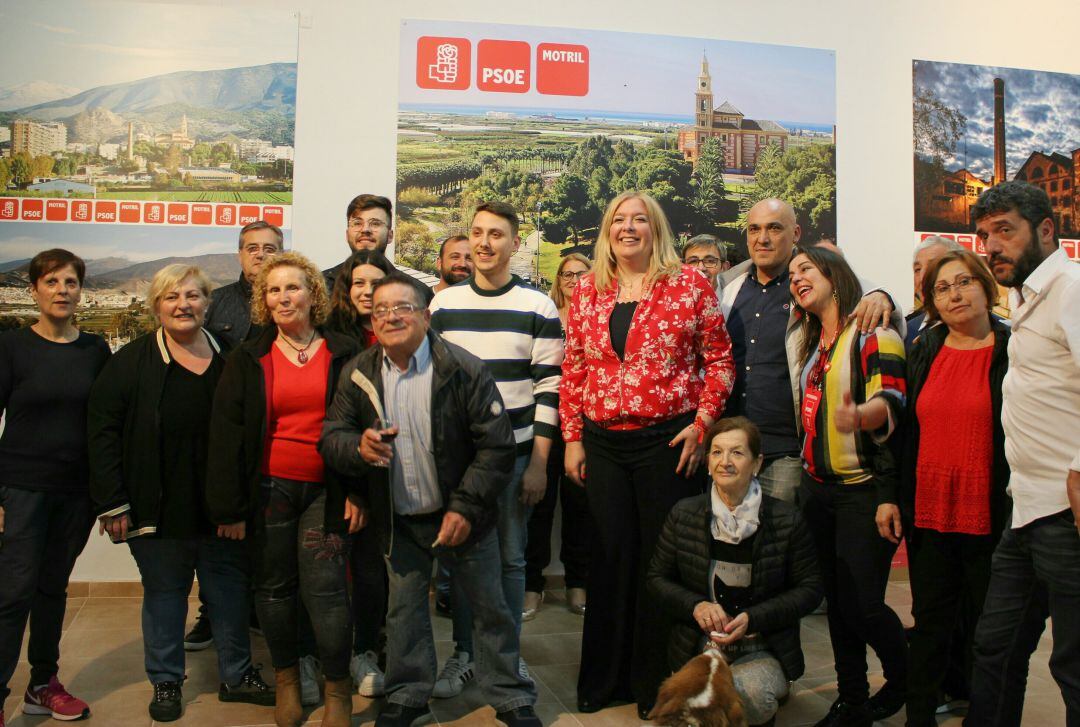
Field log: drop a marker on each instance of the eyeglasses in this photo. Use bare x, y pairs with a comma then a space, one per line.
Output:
962, 284
264, 249
360, 224
567, 275
709, 262
401, 309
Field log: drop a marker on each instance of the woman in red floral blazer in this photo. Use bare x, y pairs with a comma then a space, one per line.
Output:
648, 368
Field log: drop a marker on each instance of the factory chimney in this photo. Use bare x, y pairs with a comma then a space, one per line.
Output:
999, 131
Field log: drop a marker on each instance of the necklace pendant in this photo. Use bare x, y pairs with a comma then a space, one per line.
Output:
302, 357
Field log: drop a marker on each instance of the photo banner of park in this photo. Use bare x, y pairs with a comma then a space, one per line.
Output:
975, 126
140, 134
558, 121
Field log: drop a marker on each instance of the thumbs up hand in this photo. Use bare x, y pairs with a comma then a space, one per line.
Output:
847, 415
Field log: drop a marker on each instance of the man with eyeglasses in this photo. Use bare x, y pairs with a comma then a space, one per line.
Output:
434, 491
708, 255
369, 220
229, 315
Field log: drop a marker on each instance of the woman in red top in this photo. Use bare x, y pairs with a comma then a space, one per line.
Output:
952, 495
648, 368
264, 468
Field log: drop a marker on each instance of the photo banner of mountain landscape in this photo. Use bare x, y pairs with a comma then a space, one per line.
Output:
975, 126
558, 121
138, 134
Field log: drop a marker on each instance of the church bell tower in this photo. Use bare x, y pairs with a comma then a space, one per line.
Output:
703, 98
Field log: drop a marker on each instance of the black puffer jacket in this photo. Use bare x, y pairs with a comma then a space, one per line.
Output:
238, 432
920, 359
785, 583
471, 431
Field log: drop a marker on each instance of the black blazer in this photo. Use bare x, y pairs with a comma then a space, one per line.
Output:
785, 583
920, 359
470, 429
238, 432
124, 431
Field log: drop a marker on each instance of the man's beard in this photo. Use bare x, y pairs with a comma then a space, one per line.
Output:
452, 277
1024, 266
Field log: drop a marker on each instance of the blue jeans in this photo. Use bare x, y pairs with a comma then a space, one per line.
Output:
513, 532
167, 566
295, 558
1035, 573
780, 477
411, 664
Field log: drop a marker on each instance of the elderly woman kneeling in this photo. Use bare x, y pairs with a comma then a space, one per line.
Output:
735, 570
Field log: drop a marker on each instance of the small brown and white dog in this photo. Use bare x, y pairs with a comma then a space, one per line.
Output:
701, 694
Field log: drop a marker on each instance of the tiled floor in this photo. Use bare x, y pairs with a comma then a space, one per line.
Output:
102, 663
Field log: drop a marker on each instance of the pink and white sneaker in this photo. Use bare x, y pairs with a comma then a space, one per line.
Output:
55, 701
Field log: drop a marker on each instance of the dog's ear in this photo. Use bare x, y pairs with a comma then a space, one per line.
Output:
729, 706
671, 699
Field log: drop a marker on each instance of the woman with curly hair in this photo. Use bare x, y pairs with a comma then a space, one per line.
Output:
267, 477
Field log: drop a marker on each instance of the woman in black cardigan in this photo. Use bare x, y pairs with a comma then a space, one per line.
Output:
736, 570
952, 497
268, 480
148, 431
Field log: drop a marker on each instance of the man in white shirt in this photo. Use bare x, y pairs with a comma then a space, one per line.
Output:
1036, 567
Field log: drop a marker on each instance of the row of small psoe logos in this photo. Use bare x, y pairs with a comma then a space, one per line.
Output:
30, 209
973, 243
502, 66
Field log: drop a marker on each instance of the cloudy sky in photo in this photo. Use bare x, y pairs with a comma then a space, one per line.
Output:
1042, 112
83, 45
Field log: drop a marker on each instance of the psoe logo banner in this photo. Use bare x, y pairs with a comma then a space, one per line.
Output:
503, 66
562, 70
443, 63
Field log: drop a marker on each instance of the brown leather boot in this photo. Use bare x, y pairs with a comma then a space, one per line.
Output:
287, 709
338, 701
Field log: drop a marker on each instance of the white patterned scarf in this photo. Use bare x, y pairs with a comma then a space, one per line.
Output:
734, 526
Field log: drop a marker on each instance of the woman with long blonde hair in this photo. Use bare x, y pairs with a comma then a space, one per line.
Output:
648, 368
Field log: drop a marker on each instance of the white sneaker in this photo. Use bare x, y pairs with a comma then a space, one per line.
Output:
454, 676
309, 680
366, 674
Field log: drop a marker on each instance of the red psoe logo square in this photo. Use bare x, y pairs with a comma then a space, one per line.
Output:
56, 210
562, 69
503, 66
202, 214
443, 63
225, 214
178, 214
273, 215
248, 214
154, 213
9, 209
105, 212
81, 211
33, 209
130, 212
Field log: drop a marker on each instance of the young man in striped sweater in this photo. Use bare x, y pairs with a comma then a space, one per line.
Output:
515, 330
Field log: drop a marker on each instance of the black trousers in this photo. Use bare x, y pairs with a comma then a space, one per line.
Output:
950, 573
369, 588
631, 485
44, 533
577, 528
855, 562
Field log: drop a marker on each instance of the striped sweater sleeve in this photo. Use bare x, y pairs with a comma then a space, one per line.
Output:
546, 369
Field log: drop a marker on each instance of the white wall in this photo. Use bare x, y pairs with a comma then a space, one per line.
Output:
347, 101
